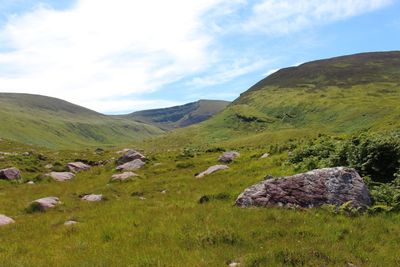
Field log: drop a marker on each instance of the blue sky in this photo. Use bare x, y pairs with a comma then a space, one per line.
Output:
117, 56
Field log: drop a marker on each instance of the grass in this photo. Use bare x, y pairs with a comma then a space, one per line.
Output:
54, 123
173, 228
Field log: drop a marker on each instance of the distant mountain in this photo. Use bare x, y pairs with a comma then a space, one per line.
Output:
51, 122
179, 116
341, 95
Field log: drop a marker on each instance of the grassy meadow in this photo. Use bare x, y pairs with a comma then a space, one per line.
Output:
156, 219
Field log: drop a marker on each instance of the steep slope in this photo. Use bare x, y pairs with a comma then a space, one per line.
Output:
180, 116
341, 95
51, 122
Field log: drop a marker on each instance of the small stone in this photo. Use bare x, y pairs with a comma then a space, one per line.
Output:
4, 220
47, 202
131, 166
164, 192
78, 166
234, 264
10, 174
31, 182
92, 197
71, 222
61, 176
49, 166
123, 176
211, 170
264, 156
228, 157
130, 155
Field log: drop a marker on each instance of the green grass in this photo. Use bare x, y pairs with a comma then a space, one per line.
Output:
54, 123
174, 229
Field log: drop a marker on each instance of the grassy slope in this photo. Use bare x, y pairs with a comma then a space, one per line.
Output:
173, 229
52, 122
335, 96
180, 116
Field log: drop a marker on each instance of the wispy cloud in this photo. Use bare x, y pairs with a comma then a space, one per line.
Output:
287, 16
101, 53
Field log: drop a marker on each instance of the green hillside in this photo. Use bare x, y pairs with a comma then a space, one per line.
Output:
52, 122
180, 116
341, 95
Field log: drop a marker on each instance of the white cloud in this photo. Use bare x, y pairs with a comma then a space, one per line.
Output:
103, 54
286, 16
100, 49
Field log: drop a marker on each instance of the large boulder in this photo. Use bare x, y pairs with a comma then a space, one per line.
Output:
10, 174
228, 157
78, 166
130, 155
131, 165
61, 176
123, 176
4, 220
334, 186
211, 170
43, 204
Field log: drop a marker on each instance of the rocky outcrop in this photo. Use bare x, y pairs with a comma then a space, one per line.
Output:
228, 157
46, 203
78, 166
334, 186
4, 220
131, 166
130, 155
92, 198
123, 176
61, 176
211, 170
10, 174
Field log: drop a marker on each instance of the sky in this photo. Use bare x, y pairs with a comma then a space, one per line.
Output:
119, 56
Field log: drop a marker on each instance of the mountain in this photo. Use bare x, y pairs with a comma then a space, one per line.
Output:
341, 95
51, 122
179, 116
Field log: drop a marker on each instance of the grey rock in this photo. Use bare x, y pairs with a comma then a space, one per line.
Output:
131, 166
78, 166
71, 222
228, 157
10, 174
334, 186
4, 220
123, 176
92, 198
47, 202
211, 170
264, 156
61, 176
130, 155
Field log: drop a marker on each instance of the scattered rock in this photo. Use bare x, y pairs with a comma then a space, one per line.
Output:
264, 156
49, 166
92, 198
124, 150
211, 170
228, 157
27, 154
130, 155
142, 198
43, 204
131, 166
31, 182
10, 174
71, 222
123, 176
334, 186
4, 220
234, 264
78, 166
164, 192
61, 176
